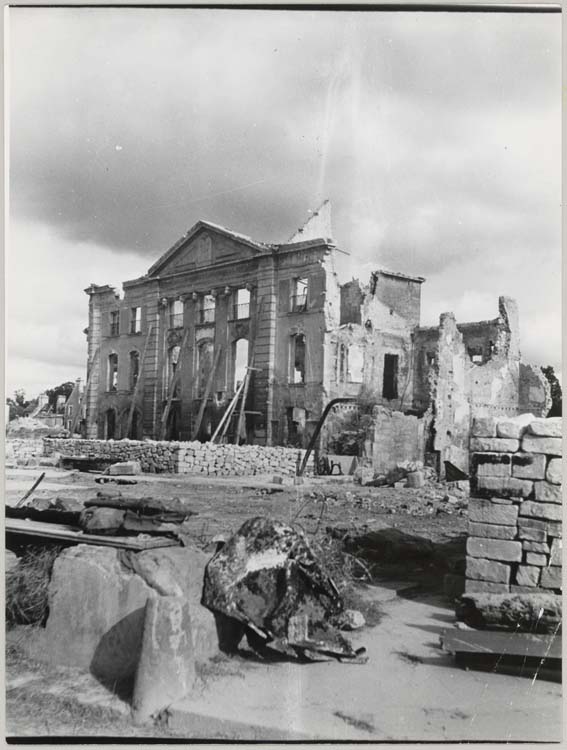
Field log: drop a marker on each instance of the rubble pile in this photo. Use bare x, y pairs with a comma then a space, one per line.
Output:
23, 451
109, 513
266, 583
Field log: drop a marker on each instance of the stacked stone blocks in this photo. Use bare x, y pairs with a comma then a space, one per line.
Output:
515, 511
210, 459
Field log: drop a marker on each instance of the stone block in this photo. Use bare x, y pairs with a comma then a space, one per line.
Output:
538, 529
514, 427
528, 466
551, 577
166, 668
534, 558
483, 511
494, 445
492, 464
481, 569
491, 530
556, 557
544, 492
527, 575
550, 427
541, 547
504, 486
484, 427
501, 501
535, 509
514, 589
551, 446
485, 587
554, 473
494, 549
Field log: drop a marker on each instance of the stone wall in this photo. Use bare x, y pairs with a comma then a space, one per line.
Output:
394, 437
23, 451
515, 510
186, 458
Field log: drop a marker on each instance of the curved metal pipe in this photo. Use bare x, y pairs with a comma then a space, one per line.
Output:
326, 410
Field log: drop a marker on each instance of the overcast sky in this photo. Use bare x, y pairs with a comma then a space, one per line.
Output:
435, 136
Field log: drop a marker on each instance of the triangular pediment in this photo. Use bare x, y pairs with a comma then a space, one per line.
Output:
205, 244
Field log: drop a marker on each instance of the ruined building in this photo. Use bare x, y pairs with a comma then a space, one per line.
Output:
166, 358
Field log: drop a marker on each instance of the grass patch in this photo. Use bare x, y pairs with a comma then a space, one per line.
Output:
27, 587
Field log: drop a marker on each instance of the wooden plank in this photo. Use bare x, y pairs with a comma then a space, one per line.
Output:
138, 381
229, 410
62, 532
458, 641
206, 395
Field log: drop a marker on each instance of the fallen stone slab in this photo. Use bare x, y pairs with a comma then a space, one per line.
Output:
537, 612
126, 468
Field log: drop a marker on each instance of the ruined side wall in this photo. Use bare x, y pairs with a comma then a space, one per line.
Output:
515, 511
395, 437
185, 458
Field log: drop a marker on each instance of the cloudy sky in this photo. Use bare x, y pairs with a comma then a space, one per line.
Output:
435, 136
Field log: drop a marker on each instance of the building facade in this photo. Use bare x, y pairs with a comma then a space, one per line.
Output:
167, 357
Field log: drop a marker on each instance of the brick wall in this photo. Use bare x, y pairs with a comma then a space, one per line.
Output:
186, 458
515, 511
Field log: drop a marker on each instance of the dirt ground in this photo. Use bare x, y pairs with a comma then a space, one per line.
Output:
325, 510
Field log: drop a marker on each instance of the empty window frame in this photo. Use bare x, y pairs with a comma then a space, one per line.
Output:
134, 368
114, 322
430, 358
241, 304
176, 313
135, 320
207, 311
350, 361
299, 290
390, 383
112, 372
204, 364
172, 365
298, 351
476, 354
240, 361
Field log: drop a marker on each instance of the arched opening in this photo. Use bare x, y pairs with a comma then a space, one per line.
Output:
240, 361
110, 424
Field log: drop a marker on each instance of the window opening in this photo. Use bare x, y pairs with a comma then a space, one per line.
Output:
355, 364
299, 294
135, 320
390, 386
298, 358
112, 372
240, 361
242, 304
476, 354
207, 311
176, 313
204, 364
114, 322
134, 368
110, 424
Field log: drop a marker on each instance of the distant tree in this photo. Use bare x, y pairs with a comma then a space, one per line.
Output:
556, 392
19, 405
61, 390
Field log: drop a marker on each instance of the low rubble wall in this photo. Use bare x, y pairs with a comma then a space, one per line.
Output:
515, 510
185, 458
23, 450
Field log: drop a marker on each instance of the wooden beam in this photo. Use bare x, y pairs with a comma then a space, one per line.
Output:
138, 381
229, 410
495, 642
208, 387
62, 532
